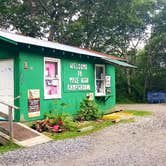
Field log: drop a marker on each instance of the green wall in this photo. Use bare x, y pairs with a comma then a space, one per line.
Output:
33, 78
107, 102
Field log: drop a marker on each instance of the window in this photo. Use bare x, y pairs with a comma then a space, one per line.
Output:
100, 80
52, 78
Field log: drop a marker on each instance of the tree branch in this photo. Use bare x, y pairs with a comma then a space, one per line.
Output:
44, 7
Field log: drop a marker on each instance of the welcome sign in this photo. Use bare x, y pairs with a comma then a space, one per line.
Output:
77, 77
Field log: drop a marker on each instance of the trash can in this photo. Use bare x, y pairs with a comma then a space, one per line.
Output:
156, 97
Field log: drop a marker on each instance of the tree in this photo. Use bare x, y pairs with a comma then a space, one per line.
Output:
151, 61
7, 7
56, 16
102, 25
111, 26
156, 50
39, 18
20, 16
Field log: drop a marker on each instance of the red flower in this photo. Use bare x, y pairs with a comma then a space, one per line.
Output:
56, 128
60, 122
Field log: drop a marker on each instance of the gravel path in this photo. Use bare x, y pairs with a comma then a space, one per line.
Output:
142, 143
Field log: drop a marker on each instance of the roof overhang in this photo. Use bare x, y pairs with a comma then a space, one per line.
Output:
20, 39
119, 63
8, 40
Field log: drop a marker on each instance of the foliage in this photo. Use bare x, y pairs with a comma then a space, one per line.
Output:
60, 123
88, 111
136, 94
111, 26
56, 121
37, 18
42, 125
125, 100
139, 113
97, 125
8, 147
102, 25
156, 52
151, 61
69, 123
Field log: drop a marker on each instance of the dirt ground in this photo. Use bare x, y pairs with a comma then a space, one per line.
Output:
141, 143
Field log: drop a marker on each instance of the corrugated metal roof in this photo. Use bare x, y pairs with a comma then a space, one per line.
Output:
15, 39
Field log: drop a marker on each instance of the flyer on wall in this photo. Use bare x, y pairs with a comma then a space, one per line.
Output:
33, 102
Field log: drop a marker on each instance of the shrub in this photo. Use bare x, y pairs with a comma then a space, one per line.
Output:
88, 111
56, 121
68, 123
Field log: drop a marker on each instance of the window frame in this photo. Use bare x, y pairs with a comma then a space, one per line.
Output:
58, 61
104, 90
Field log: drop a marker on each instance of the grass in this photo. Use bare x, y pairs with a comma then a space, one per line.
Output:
97, 125
139, 113
124, 100
8, 147
127, 120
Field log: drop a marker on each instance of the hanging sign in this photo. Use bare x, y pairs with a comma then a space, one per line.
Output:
107, 81
33, 102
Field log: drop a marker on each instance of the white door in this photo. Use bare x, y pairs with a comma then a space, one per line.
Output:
6, 83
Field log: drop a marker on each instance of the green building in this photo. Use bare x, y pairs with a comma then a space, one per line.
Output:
36, 73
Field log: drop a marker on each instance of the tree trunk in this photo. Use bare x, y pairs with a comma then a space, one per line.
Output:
51, 36
128, 81
148, 72
145, 86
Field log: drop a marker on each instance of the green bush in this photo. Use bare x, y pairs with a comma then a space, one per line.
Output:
56, 114
88, 111
69, 123
56, 121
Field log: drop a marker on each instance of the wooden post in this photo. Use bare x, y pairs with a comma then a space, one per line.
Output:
10, 118
10, 123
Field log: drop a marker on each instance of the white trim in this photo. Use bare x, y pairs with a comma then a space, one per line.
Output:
58, 78
100, 94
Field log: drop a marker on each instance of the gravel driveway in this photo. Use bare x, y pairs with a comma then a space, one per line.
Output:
142, 143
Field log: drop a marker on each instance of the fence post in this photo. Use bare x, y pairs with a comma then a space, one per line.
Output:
10, 123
